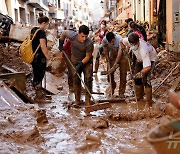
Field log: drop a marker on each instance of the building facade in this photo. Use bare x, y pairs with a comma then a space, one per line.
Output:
65, 11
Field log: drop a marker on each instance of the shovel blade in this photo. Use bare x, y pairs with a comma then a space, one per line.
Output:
96, 107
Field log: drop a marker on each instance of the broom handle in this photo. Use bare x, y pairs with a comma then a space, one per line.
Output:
132, 79
78, 75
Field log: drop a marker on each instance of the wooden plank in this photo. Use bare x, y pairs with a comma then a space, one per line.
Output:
114, 100
52, 83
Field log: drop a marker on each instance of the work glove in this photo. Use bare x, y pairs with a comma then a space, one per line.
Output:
79, 67
61, 42
138, 75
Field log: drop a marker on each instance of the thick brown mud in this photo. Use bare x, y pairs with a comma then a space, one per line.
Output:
57, 127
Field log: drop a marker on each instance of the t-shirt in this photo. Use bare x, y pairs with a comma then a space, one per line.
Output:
115, 46
67, 47
145, 52
79, 49
101, 36
36, 41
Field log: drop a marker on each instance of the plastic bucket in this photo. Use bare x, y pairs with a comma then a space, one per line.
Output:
165, 138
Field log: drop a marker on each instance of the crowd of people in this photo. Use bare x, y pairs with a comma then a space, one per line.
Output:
120, 52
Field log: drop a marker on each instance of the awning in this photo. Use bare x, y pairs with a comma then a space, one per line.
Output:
122, 16
3, 8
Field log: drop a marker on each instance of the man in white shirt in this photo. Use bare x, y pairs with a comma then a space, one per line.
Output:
111, 47
146, 56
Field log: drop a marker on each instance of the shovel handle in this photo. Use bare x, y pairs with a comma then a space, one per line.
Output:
79, 76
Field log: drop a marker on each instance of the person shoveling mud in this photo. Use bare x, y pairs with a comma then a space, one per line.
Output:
146, 56
112, 49
81, 58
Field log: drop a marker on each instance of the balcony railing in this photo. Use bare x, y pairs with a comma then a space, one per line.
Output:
40, 4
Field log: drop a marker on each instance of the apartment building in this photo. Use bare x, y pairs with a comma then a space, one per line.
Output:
66, 11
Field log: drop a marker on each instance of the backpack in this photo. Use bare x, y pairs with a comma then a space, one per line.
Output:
26, 50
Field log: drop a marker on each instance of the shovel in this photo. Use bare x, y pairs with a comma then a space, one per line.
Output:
96, 106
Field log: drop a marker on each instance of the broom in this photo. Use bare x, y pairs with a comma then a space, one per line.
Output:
95, 106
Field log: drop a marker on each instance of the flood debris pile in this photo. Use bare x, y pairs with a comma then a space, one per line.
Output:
168, 67
56, 64
10, 57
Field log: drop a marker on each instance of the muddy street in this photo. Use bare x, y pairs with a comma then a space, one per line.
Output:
57, 127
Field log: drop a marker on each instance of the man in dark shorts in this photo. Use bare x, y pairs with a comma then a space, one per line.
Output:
81, 57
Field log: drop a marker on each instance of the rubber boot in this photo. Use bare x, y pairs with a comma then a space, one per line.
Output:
113, 86
96, 66
122, 86
38, 91
77, 92
139, 92
148, 92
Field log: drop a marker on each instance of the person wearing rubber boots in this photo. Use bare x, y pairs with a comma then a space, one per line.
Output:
111, 47
81, 57
146, 57
40, 59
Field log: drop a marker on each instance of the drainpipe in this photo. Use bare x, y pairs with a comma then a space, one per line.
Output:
144, 6
134, 10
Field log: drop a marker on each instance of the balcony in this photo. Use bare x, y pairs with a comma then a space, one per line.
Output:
52, 10
39, 4
35, 3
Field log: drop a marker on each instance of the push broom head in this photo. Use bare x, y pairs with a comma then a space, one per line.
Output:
96, 107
